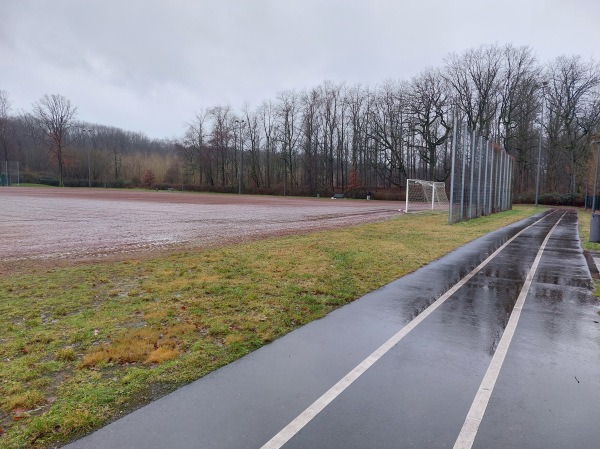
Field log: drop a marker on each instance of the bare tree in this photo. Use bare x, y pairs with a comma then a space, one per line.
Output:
220, 137
254, 137
573, 114
267, 114
387, 116
193, 150
330, 124
520, 101
429, 106
475, 77
288, 114
51, 121
311, 101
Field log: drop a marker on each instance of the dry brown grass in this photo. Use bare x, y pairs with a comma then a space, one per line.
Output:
145, 345
160, 355
26, 400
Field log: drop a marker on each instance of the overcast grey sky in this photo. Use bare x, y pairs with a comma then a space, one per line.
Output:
149, 65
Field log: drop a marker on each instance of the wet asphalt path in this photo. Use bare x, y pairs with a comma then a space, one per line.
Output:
419, 392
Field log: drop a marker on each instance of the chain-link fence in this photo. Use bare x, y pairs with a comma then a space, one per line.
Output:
9, 173
481, 176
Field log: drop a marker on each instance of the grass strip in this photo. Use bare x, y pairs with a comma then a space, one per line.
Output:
584, 218
82, 345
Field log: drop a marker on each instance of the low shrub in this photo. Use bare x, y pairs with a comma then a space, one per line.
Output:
550, 199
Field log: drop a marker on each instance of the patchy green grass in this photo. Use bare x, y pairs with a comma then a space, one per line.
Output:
585, 217
27, 184
81, 345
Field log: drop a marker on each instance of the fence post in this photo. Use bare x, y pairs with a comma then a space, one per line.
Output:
471, 161
479, 157
491, 180
510, 181
485, 177
464, 169
451, 211
406, 204
505, 197
498, 172
500, 183
491, 153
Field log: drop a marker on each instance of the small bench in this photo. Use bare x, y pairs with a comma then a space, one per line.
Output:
337, 196
170, 189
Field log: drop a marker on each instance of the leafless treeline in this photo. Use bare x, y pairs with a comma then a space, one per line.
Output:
52, 147
335, 137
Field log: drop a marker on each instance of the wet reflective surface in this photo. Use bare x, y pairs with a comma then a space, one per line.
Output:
418, 394
548, 393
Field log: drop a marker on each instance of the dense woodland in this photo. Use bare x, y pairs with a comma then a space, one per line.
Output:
336, 137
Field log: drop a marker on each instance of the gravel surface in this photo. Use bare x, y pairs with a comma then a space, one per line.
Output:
84, 224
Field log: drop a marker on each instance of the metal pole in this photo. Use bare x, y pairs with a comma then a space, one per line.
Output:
464, 162
498, 183
451, 210
478, 210
509, 183
473, 140
88, 132
506, 181
596, 178
485, 178
242, 125
501, 176
539, 162
241, 161
502, 172
406, 203
491, 193
89, 168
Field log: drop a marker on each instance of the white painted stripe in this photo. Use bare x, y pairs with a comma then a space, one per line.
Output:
471, 426
316, 407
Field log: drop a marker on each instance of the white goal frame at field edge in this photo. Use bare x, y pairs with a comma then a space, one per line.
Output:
428, 195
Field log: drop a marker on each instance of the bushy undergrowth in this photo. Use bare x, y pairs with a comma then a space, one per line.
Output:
550, 199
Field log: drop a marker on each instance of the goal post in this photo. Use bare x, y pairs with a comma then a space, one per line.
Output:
425, 195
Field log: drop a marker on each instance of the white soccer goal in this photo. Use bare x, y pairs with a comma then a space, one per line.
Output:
425, 195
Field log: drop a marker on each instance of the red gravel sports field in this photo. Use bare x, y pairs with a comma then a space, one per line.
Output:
78, 224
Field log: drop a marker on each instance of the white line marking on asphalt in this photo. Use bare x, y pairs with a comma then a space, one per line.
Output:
471, 426
316, 407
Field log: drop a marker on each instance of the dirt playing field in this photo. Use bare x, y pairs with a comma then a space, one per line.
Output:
88, 224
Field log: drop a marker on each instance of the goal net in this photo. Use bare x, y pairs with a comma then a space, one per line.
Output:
425, 195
